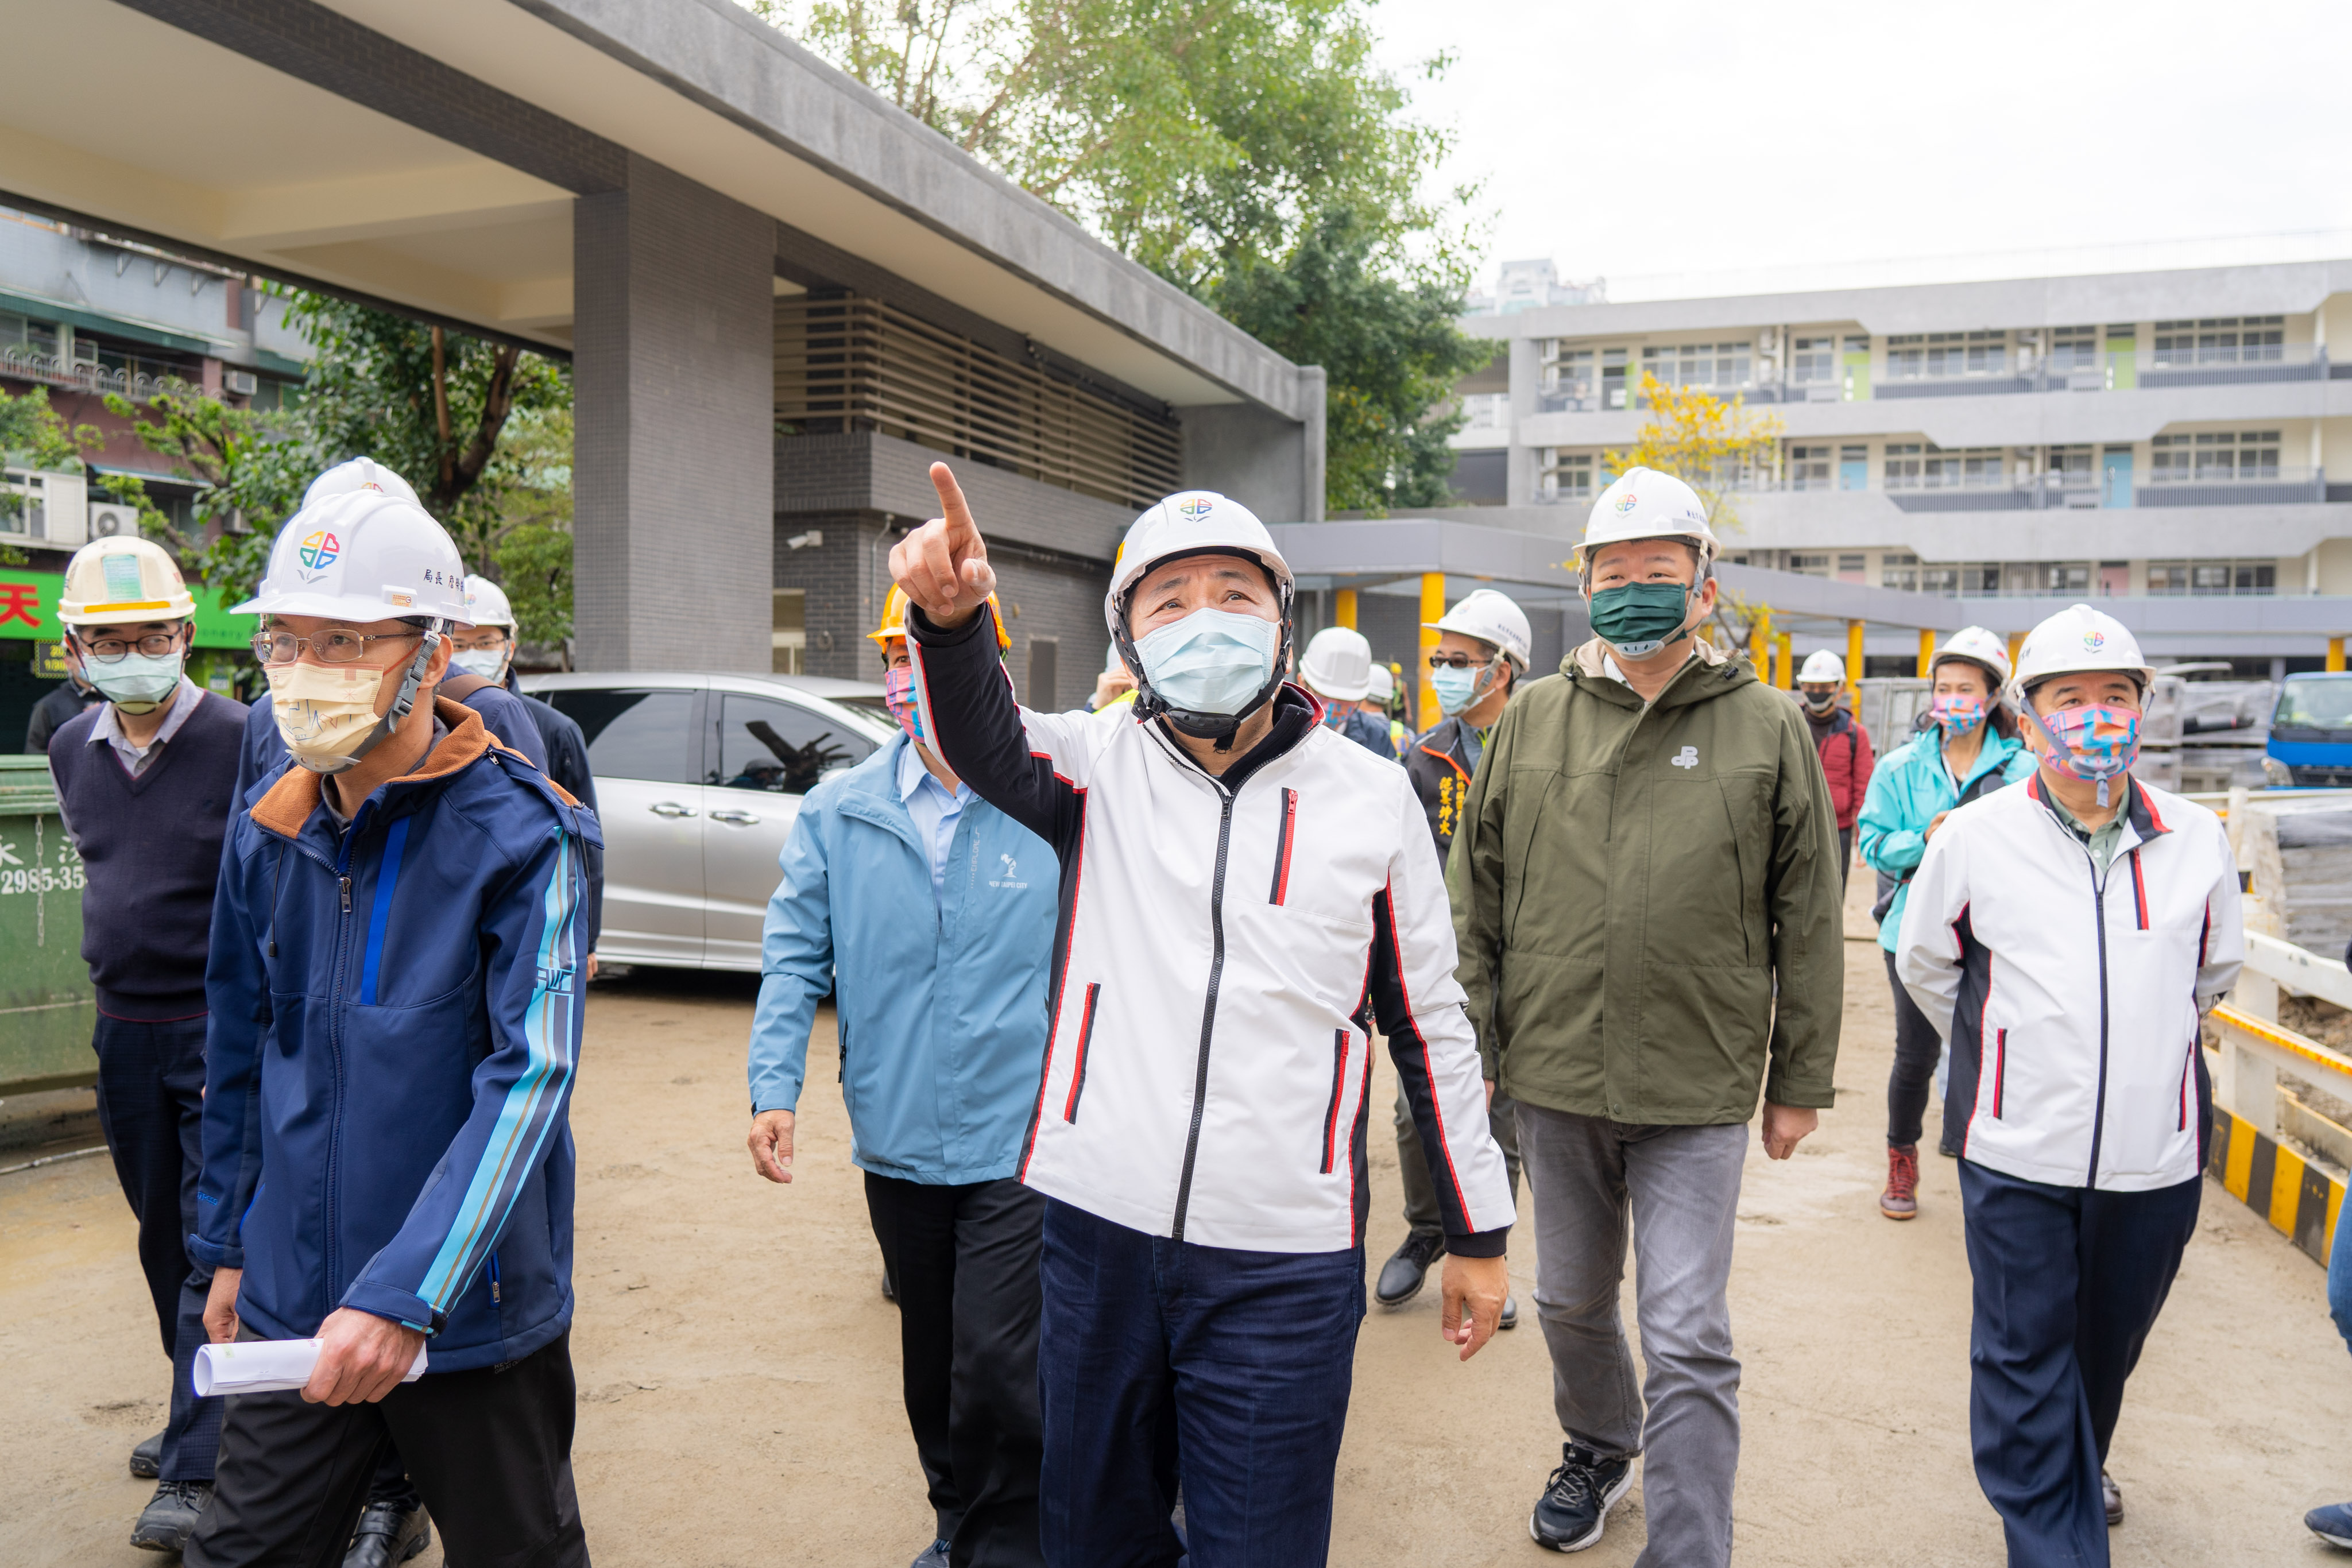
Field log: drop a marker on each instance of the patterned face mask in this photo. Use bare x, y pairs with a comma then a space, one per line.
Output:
1957, 712
898, 695
2093, 744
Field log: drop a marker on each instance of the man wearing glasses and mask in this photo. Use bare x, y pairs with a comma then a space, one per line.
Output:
144, 783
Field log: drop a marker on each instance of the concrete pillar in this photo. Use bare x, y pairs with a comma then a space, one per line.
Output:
1432, 608
1927, 652
673, 451
2335, 655
1784, 667
1520, 480
1853, 664
1343, 612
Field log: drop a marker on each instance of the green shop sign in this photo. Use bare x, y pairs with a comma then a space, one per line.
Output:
28, 609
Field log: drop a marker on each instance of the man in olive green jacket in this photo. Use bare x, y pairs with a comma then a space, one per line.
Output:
1645, 888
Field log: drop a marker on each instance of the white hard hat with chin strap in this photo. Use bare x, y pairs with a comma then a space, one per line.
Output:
1190, 523
1821, 667
363, 555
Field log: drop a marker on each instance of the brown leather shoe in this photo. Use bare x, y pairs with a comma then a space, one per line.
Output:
1901, 1198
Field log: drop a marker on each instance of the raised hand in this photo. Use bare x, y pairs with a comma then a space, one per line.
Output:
943, 564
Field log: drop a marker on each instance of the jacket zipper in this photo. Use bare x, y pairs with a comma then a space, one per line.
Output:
1078, 1073
494, 1278
1339, 1091
2099, 1103
2000, 1068
1282, 848
333, 1250
1208, 1010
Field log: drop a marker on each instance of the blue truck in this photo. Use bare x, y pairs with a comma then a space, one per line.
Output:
2310, 729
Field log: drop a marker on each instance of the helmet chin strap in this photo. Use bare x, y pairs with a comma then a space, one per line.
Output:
403, 701
1219, 727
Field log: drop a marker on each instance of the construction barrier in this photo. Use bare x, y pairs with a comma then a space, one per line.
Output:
2300, 1200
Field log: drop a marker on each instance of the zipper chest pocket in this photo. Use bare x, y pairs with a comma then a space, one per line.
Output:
1078, 1070
1281, 888
1340, 1041
2000, 1068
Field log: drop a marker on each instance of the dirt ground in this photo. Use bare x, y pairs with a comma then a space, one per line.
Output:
738, 1366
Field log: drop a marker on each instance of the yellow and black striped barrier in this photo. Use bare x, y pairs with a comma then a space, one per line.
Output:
2300, 1200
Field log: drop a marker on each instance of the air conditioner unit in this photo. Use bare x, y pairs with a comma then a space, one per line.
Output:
109, 518
239, 383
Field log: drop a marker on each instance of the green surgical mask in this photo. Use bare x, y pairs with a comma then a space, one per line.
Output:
1640, 618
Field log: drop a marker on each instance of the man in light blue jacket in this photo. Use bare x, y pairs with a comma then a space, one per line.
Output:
942, 1031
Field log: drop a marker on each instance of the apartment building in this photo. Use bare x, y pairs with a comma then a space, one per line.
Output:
2133, 434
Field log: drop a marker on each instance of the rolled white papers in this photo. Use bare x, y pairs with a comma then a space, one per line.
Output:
265, 1365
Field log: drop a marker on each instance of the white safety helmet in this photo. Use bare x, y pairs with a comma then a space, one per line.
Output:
1338, 664
359, 556
2077, 639
1978, 646
485, 604
1384, 687
124, 579
1490, 617
359, 473
1195, 522
1821, 667
1644, 504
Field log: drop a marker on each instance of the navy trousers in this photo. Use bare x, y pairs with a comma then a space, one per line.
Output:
151, 1095
2069, 1282
1161, 1362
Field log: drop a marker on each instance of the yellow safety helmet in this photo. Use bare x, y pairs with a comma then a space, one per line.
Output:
123, 579
894, 621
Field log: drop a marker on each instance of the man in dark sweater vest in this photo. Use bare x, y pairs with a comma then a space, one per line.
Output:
145, 781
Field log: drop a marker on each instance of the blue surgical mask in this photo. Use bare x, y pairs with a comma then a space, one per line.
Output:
1456, 689
1212, 661
490, 664
137, 682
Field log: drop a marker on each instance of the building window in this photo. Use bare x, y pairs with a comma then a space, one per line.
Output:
1699, 364
1899, 570
2212, 579
1923, 465
2073, 467
1903, 464
1853, 568
2065, 577
23, 338
1571, 474
1937, 356
1572, 374
1612, 378
2215, 456
1810, 565
1810, 469
2221, 340
1813, 360
788, 634
2075, 348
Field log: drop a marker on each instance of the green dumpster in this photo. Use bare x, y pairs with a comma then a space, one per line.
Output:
47, 1009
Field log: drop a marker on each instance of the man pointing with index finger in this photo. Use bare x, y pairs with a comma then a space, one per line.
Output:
1245, 896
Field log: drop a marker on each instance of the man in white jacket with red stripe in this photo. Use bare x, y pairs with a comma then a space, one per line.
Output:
2065, 933
1244, 897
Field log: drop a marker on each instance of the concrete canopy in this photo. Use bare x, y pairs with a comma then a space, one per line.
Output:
427, 151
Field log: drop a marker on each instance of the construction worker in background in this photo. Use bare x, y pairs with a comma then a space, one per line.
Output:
1337, 668
1845, 746
61, 703
390, 1162
1381, 704
1644, 877
144, 784
2066, 936
1243, 895
484, 657
949, 1016
1970, 748
1481, 653
502, 712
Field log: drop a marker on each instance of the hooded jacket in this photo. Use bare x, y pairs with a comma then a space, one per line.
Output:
940, 1003
2069, 995
1633, 884
396, 1011
1224, 947
1907, 790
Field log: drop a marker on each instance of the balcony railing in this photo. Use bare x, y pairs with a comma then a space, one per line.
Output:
23, 364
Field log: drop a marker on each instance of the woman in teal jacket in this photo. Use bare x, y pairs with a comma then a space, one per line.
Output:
1969, 748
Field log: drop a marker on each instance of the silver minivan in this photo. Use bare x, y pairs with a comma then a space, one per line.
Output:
698, 778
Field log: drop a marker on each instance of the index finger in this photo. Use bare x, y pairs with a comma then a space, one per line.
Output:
952, 506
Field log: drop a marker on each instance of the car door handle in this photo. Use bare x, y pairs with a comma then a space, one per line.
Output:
740, 819
670, 809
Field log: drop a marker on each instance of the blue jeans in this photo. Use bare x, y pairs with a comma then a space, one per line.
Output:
1159, 1361
2339, 1282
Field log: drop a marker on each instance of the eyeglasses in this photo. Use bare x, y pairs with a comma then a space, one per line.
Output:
155, 644
333, 646
1457, 662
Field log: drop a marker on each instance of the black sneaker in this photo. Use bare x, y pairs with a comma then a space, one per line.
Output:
147, 1459
391, 1531
169, 1516
1575, 1505
2111, 1496
1401, 1275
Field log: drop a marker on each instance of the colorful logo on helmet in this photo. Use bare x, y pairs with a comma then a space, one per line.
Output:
1627, 502
1193, 510
2095, 640
319, 549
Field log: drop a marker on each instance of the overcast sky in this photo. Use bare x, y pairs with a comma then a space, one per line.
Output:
1712, 146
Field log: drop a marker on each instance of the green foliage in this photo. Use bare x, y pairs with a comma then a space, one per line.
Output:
1390, 347
255, 469
35, 435
534, 563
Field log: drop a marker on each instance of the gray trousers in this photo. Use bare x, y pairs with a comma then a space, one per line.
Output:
1413, 1164
1680, 1188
